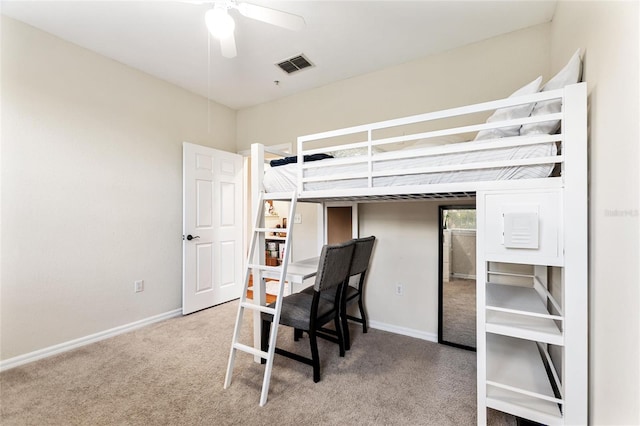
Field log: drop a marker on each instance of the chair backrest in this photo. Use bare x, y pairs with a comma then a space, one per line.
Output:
361, 255
334, 265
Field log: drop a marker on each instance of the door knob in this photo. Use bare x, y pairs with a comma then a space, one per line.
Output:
191, 237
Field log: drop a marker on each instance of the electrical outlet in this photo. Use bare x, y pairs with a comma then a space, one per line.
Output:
138, 286
297, 218
399, 289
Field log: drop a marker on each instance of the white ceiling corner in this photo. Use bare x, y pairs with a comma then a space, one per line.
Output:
169, 39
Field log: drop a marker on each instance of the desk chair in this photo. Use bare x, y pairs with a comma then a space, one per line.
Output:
310, 311
352, 294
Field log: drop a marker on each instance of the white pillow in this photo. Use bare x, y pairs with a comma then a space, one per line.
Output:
518, 111
570, 74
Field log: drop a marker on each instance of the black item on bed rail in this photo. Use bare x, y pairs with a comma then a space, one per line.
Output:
294, 159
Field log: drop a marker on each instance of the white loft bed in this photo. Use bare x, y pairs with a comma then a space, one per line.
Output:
546, 171
383, 171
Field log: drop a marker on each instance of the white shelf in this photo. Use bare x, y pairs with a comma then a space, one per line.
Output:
273, 237
523, 327
517, 381
540, 411
519, 312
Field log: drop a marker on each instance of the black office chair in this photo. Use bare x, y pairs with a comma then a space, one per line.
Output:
309, 312
352, 294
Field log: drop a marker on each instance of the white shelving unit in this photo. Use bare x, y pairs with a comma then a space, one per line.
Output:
271, 220
521, 320
532, 326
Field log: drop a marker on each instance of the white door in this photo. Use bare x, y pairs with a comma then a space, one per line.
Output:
212, 227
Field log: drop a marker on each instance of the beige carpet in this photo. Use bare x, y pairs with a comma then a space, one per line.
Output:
171, 373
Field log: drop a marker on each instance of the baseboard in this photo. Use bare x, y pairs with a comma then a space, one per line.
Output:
411, 332
82, 341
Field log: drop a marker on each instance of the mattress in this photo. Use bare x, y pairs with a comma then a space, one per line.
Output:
283, 178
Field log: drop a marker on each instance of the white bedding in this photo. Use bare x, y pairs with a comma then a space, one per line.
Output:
283, 178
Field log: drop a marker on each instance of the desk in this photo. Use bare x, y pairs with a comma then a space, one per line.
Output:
297, 273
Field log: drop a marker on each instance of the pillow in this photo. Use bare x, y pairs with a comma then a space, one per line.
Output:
518, 111
352, 152
570, 74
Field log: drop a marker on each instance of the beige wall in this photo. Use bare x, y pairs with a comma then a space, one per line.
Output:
406, 253
482, 71
407, 250
608, 31
91, 189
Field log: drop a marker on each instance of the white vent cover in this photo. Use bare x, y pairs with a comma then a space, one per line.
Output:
294, 64
521, 230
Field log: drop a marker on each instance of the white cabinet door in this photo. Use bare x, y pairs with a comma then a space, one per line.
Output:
212, 227
522, 227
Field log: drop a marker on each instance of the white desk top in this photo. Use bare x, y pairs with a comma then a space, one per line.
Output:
299, 271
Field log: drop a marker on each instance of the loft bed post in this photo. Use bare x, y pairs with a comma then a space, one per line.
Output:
481, 276
259, 294
576, 266
257, 171
369, 163
299, 172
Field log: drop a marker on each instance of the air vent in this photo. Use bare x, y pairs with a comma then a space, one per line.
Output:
294, 64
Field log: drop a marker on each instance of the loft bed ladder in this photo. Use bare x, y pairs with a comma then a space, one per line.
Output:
256, 266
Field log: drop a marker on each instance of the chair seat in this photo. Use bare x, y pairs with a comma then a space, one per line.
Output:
296, 308
352, 292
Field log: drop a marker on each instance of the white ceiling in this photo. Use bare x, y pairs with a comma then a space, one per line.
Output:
169, 39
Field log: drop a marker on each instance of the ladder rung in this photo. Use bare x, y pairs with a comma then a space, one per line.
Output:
251, 350
256, 307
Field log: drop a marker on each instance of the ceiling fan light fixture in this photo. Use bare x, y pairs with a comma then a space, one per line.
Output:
220, 24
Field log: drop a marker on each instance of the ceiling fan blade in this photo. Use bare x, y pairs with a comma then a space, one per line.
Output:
272, 16
228, 47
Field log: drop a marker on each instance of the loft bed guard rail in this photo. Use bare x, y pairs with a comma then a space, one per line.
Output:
414, 155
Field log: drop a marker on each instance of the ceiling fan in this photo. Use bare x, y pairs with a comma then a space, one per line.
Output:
221, 24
